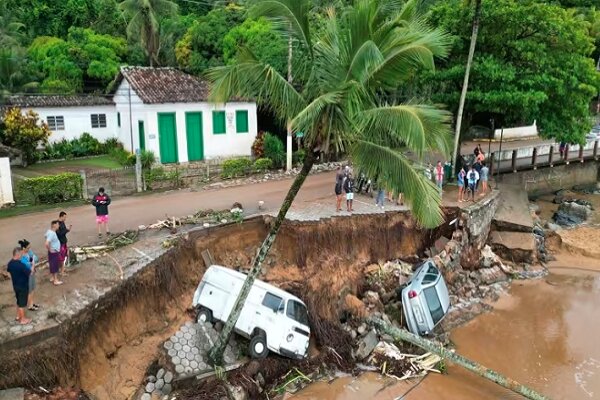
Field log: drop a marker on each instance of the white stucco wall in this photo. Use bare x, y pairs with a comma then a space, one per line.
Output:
225, 145
6, 192
521, 132
78, 120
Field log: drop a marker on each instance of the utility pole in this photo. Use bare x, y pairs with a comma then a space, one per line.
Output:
138, 158
288, 163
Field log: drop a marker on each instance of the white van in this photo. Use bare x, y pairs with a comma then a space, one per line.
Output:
271, 318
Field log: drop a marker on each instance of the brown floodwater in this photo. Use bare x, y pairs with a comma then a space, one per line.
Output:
544, 334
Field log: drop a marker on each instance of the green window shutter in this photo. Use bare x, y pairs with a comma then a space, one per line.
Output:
241, 121
218, 122
119, 119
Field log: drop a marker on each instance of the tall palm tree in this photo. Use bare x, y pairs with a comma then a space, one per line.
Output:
463, 93
11, 31
342, 102
144, 23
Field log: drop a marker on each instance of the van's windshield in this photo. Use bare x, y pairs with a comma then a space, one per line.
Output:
297, 312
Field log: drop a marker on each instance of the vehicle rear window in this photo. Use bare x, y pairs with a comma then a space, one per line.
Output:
433, 302
297, 312
431, 275
271, 301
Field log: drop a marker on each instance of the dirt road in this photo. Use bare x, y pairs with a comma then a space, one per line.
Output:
130, 212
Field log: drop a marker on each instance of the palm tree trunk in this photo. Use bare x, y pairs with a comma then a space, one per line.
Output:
463, 94
216, 353
436, 348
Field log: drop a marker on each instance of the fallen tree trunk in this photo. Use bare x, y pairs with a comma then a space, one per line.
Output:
436, 348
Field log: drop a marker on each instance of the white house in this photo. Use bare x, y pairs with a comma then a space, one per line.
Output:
68, 116
167, 111
159, 109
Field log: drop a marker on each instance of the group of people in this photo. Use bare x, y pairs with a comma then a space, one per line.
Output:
22, 266
344, 185
470, 180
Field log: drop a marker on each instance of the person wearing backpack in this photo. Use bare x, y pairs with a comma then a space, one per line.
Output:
472, 179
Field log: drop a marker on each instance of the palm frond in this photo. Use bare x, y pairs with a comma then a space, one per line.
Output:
421, 128
397, 174
288, 16
250, 78
310, 117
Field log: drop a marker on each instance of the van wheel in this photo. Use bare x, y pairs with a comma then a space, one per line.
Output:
204, 315
258, 345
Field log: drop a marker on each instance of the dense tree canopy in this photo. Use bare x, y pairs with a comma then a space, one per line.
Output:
64, 64
535, 59
532, 63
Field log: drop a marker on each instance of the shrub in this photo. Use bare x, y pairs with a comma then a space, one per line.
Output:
263, 164
111, 143
24, 132
299, 156
236, 167
158, 174
86, 145
122, 156
147, 158
50, 189
258, 150
274, 149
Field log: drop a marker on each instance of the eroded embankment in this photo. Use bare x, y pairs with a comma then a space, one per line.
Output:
107, 347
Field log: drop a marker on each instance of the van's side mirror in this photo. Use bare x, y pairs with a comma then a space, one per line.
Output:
281, 308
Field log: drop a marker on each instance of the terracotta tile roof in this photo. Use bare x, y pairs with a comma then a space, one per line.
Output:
56, 101
165, 85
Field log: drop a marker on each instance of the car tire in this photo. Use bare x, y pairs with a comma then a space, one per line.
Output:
258, 346
204, 315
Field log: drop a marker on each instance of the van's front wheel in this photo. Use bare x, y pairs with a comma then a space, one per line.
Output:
204, 315
258, 345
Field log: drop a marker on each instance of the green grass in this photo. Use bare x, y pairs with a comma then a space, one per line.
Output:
20, 210
52, 168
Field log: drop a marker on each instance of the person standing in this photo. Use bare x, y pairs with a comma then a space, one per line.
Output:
379, 202
472, 179
19, 274
339, 178
29, 259
53, 247
349, 189
62, 238
484, 175
461, 184
439, 175
101, 201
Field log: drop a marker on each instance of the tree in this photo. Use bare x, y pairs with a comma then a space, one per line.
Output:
259, 37
23, 131
144, 23
343, 103
11, 30
465, 86
12, 75
532, 63
85, 54
202, 45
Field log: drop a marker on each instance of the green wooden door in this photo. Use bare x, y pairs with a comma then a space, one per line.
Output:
142, 135
193, 131
167, 137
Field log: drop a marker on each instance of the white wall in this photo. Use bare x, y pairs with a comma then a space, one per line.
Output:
521, 132
6, 193
78, 120
229, 144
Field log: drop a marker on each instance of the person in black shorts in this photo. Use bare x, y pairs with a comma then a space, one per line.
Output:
19, 274
339, 180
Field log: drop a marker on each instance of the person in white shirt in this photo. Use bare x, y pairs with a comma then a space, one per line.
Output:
472, 178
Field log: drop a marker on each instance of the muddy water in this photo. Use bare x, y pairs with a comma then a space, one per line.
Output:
544, 334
